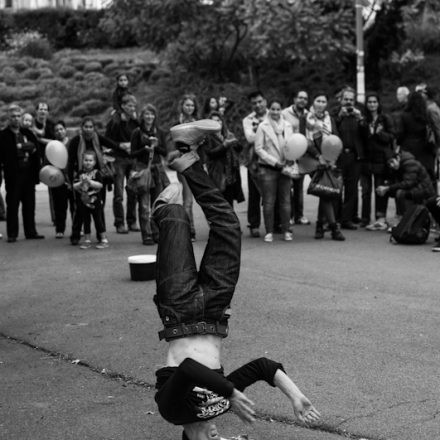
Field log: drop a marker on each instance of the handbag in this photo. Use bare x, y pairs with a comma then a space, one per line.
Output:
325, 183
139, 180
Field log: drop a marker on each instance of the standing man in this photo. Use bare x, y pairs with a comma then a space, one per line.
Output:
296, 115
250, 125
20, 161
348, 119
119, 129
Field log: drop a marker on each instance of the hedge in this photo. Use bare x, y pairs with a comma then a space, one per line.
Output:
61, 26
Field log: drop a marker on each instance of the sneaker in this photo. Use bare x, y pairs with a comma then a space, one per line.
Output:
172, 194
302, 221
103, 244
377, 226
59, 235
86, 244
288, 236
255, 232
268, 238
133, 228
121, 229
436, 248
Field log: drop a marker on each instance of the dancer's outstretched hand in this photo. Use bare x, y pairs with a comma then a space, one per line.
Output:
242, 406
304, 410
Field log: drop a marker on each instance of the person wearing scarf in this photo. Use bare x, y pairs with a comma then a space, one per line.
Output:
270, 142
319, 123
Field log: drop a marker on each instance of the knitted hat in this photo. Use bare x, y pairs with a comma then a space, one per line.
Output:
192, 133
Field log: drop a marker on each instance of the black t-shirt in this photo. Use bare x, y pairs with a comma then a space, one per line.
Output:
193, 392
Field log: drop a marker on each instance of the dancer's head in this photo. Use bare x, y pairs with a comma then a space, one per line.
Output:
205, 430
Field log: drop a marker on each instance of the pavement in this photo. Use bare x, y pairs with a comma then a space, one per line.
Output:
355, 324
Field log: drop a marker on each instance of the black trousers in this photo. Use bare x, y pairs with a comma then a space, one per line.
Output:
83, 215
254, 203
62, 198
350, 169
21, 190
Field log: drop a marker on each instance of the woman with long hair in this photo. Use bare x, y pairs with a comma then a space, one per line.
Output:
319, 123
270, 143
222, 161
211, 105
88, 139
148, 146
413, 133
378, 134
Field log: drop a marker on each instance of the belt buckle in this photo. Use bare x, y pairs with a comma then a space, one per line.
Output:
200, 327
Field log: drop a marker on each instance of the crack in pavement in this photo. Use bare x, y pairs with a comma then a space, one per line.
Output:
373, 413
129, 380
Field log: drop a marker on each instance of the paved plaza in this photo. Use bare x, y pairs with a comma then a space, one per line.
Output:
355, 324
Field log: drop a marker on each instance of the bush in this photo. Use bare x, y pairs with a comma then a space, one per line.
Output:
66, 71
32, 73
19, 65
95, 106
9, 75
79, 76
38, 48
79, 111
93, 66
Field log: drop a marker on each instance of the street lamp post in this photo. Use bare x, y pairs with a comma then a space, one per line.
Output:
360, 70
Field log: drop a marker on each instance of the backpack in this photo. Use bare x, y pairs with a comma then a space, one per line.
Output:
414, 227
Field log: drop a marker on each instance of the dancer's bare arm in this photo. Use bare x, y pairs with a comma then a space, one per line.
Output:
242, 406
302, 407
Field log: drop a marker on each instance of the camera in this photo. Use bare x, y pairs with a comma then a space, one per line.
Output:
350, 109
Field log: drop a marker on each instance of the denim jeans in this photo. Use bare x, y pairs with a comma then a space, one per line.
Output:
273, 183
185, 295
187, 201
297, 199
122, 170
350, 168
254, 201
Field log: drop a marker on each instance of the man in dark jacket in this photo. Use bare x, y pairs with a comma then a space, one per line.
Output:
120, 129
348, 119
412, 183
20, 161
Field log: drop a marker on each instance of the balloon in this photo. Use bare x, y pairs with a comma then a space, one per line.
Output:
51, 176
331, 147
56, 154
296, 146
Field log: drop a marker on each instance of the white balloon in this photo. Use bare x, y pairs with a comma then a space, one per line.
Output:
331, 147
51, 176
56, 154
296, 146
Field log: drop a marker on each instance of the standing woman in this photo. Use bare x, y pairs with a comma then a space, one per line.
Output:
211, 105
88, 139
319, 123
378, 134
270, 142
222, 161
188, 112
148, 146
62, 196
413, 135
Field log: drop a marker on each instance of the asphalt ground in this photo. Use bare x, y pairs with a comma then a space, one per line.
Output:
355, 324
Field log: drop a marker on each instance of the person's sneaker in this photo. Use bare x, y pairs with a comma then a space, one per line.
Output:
12, 239
172, 194
436, 248
288, 236
377, 226
121, 229
59, 235
103, 244
302, 221
86, 244
133, 228
191, 133
148, 241
268, 238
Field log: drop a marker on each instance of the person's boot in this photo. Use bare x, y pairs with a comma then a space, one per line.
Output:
319, 230
336, 232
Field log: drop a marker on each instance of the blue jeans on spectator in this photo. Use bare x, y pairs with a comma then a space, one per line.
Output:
122, 170
254, 201
275, 184
144, 200
185, 295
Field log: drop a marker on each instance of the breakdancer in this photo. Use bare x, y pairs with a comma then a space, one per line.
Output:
195, 305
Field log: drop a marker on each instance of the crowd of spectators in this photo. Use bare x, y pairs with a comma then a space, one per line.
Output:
384, 154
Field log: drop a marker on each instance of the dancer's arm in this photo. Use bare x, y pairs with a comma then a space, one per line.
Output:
302, 407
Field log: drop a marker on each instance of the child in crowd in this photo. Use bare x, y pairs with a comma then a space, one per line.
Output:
27, 121
88, 203
120, 91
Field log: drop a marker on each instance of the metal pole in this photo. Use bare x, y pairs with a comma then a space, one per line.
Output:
360, 70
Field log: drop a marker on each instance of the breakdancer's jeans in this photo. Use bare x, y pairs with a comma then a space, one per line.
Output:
185, 295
